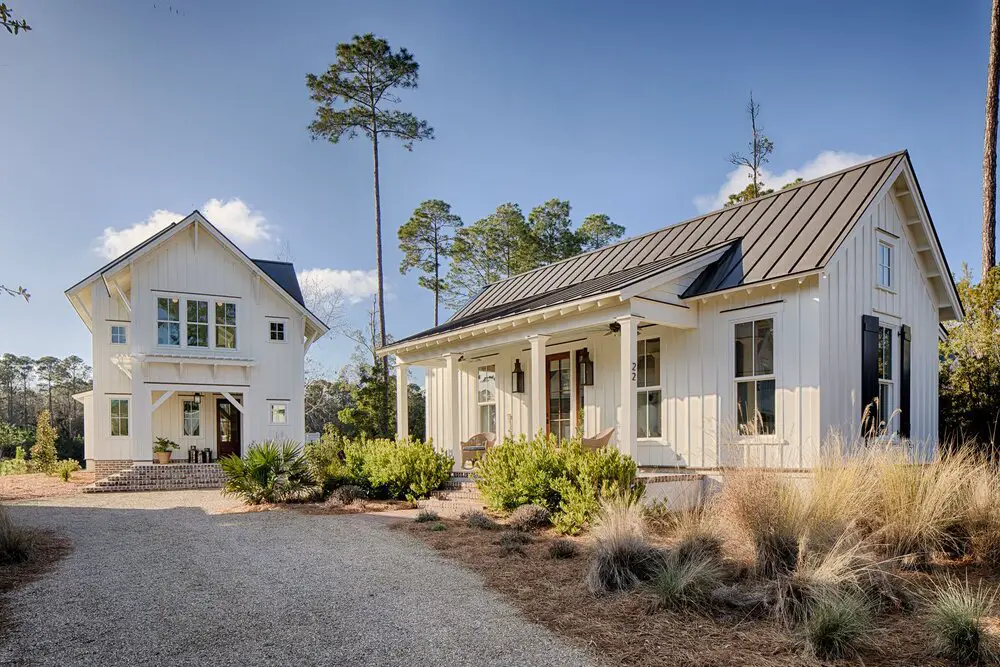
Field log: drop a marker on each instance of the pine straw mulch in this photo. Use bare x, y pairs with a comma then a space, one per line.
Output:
626, 629
40, 485
50, 549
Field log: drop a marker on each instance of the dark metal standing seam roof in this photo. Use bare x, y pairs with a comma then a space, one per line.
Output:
791, 231
283, 273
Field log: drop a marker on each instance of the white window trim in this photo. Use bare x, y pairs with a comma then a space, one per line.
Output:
661, 384
214, 304
270, 321
480, 404
882, 239
111, 329
207, 323
181, 339
183, 323
774, 313
270, 412
111, 417
892, 422
201, 430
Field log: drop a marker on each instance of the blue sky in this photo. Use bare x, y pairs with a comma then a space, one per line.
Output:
114, 110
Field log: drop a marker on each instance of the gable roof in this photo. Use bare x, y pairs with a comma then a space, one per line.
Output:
280, 275
790, 232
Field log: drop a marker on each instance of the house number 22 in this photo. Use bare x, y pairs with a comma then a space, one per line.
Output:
633, 371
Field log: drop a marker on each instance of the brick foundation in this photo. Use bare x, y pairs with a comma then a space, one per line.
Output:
104, 469
156, 477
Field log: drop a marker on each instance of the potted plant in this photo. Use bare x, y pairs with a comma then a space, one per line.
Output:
163, 448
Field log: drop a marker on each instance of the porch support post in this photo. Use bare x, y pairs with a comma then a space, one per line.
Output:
451, 433
627, 419
538, 392
402, 401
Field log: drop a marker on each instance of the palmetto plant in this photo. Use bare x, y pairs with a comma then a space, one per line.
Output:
272, 472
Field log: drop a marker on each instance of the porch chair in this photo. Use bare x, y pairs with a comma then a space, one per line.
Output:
475, 447
600, 440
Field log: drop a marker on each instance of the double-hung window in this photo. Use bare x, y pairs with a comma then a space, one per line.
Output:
119, 417
168, 321
192, 418
197, 323
648, 390
486, 397
886, 386
885, 265
755, 413
225, 325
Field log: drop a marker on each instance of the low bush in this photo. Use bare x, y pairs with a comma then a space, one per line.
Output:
838, 624
327, 462
66, 468
17, 544
15, 466
348, 493
478, 519
405, 469
566, 479
622, 557
529, 517
426, 516
563, 548
512, 542
437, 527
955, 621
271, 472
687, 580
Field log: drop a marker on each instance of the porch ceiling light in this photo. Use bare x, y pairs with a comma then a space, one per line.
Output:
517, 378
586, 369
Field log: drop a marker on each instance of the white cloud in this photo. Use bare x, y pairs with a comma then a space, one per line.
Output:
355, 285
736, 180
234, 218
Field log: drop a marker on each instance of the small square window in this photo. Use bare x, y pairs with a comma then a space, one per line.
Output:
277, 331
118, 335
279, 413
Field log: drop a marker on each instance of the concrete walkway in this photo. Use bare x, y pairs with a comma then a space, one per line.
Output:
158, 578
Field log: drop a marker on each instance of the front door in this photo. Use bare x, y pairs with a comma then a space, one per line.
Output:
227, 432
559, 420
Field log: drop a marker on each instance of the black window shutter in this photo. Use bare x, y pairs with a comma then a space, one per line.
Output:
869, 373
904, 381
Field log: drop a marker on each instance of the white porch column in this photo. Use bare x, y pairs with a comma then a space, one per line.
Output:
626, 420
451, 429
402, 401
538, 389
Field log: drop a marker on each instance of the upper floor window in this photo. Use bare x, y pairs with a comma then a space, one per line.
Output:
648, 391
486, 397
225, 325
168, 321
886, 385
197, 323
885, 268
192, 418
755, 380
119, 417
277, 331
119, 335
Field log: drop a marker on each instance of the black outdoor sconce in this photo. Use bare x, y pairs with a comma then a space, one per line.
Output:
517, 378
586, 369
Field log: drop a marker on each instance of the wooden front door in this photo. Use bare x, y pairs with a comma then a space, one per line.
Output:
227, 431
559, 416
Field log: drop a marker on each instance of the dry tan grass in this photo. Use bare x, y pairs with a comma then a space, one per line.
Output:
49, 549
39, 485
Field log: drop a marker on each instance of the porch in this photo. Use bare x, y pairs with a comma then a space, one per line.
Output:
204, 417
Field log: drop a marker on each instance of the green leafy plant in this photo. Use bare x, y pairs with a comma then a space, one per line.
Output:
407, 469
164, 445
327, 461
271, 472
15, 466
43, 452
66, 468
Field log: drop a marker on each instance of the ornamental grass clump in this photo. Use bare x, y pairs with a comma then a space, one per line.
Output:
955, 620
17, 544
838, 625
687, 580
562, 549
425, 516
622, 557
271, 472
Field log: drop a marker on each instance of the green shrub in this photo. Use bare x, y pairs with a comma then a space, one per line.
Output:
17, 544
407, 469
838, 624
955, 621
529, 517
562, 548
66, 468
327, 461
43, 452
566, 479
426, 516
271, 472
15, 466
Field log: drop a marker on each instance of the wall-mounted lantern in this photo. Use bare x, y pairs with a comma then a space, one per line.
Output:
517, 378
197, 398
586, 369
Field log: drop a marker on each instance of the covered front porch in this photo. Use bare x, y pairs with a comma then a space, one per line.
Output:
207, 418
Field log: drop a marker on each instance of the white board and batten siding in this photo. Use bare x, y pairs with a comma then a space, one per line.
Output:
850, 290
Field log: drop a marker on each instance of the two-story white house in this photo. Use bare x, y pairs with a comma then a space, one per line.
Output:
195, 342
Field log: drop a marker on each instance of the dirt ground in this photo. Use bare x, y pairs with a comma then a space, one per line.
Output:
627, 629
38, 485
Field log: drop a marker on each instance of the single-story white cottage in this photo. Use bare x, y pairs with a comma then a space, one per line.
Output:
195, 342
745, 336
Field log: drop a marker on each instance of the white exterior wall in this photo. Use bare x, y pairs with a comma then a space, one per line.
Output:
850, 291
174, 268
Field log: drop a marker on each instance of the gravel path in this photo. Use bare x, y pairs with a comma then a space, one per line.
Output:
154, 578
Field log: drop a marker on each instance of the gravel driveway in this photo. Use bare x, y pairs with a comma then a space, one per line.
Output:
154, 578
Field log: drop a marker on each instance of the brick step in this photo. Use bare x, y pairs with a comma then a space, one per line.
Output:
170, 477
449, 508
